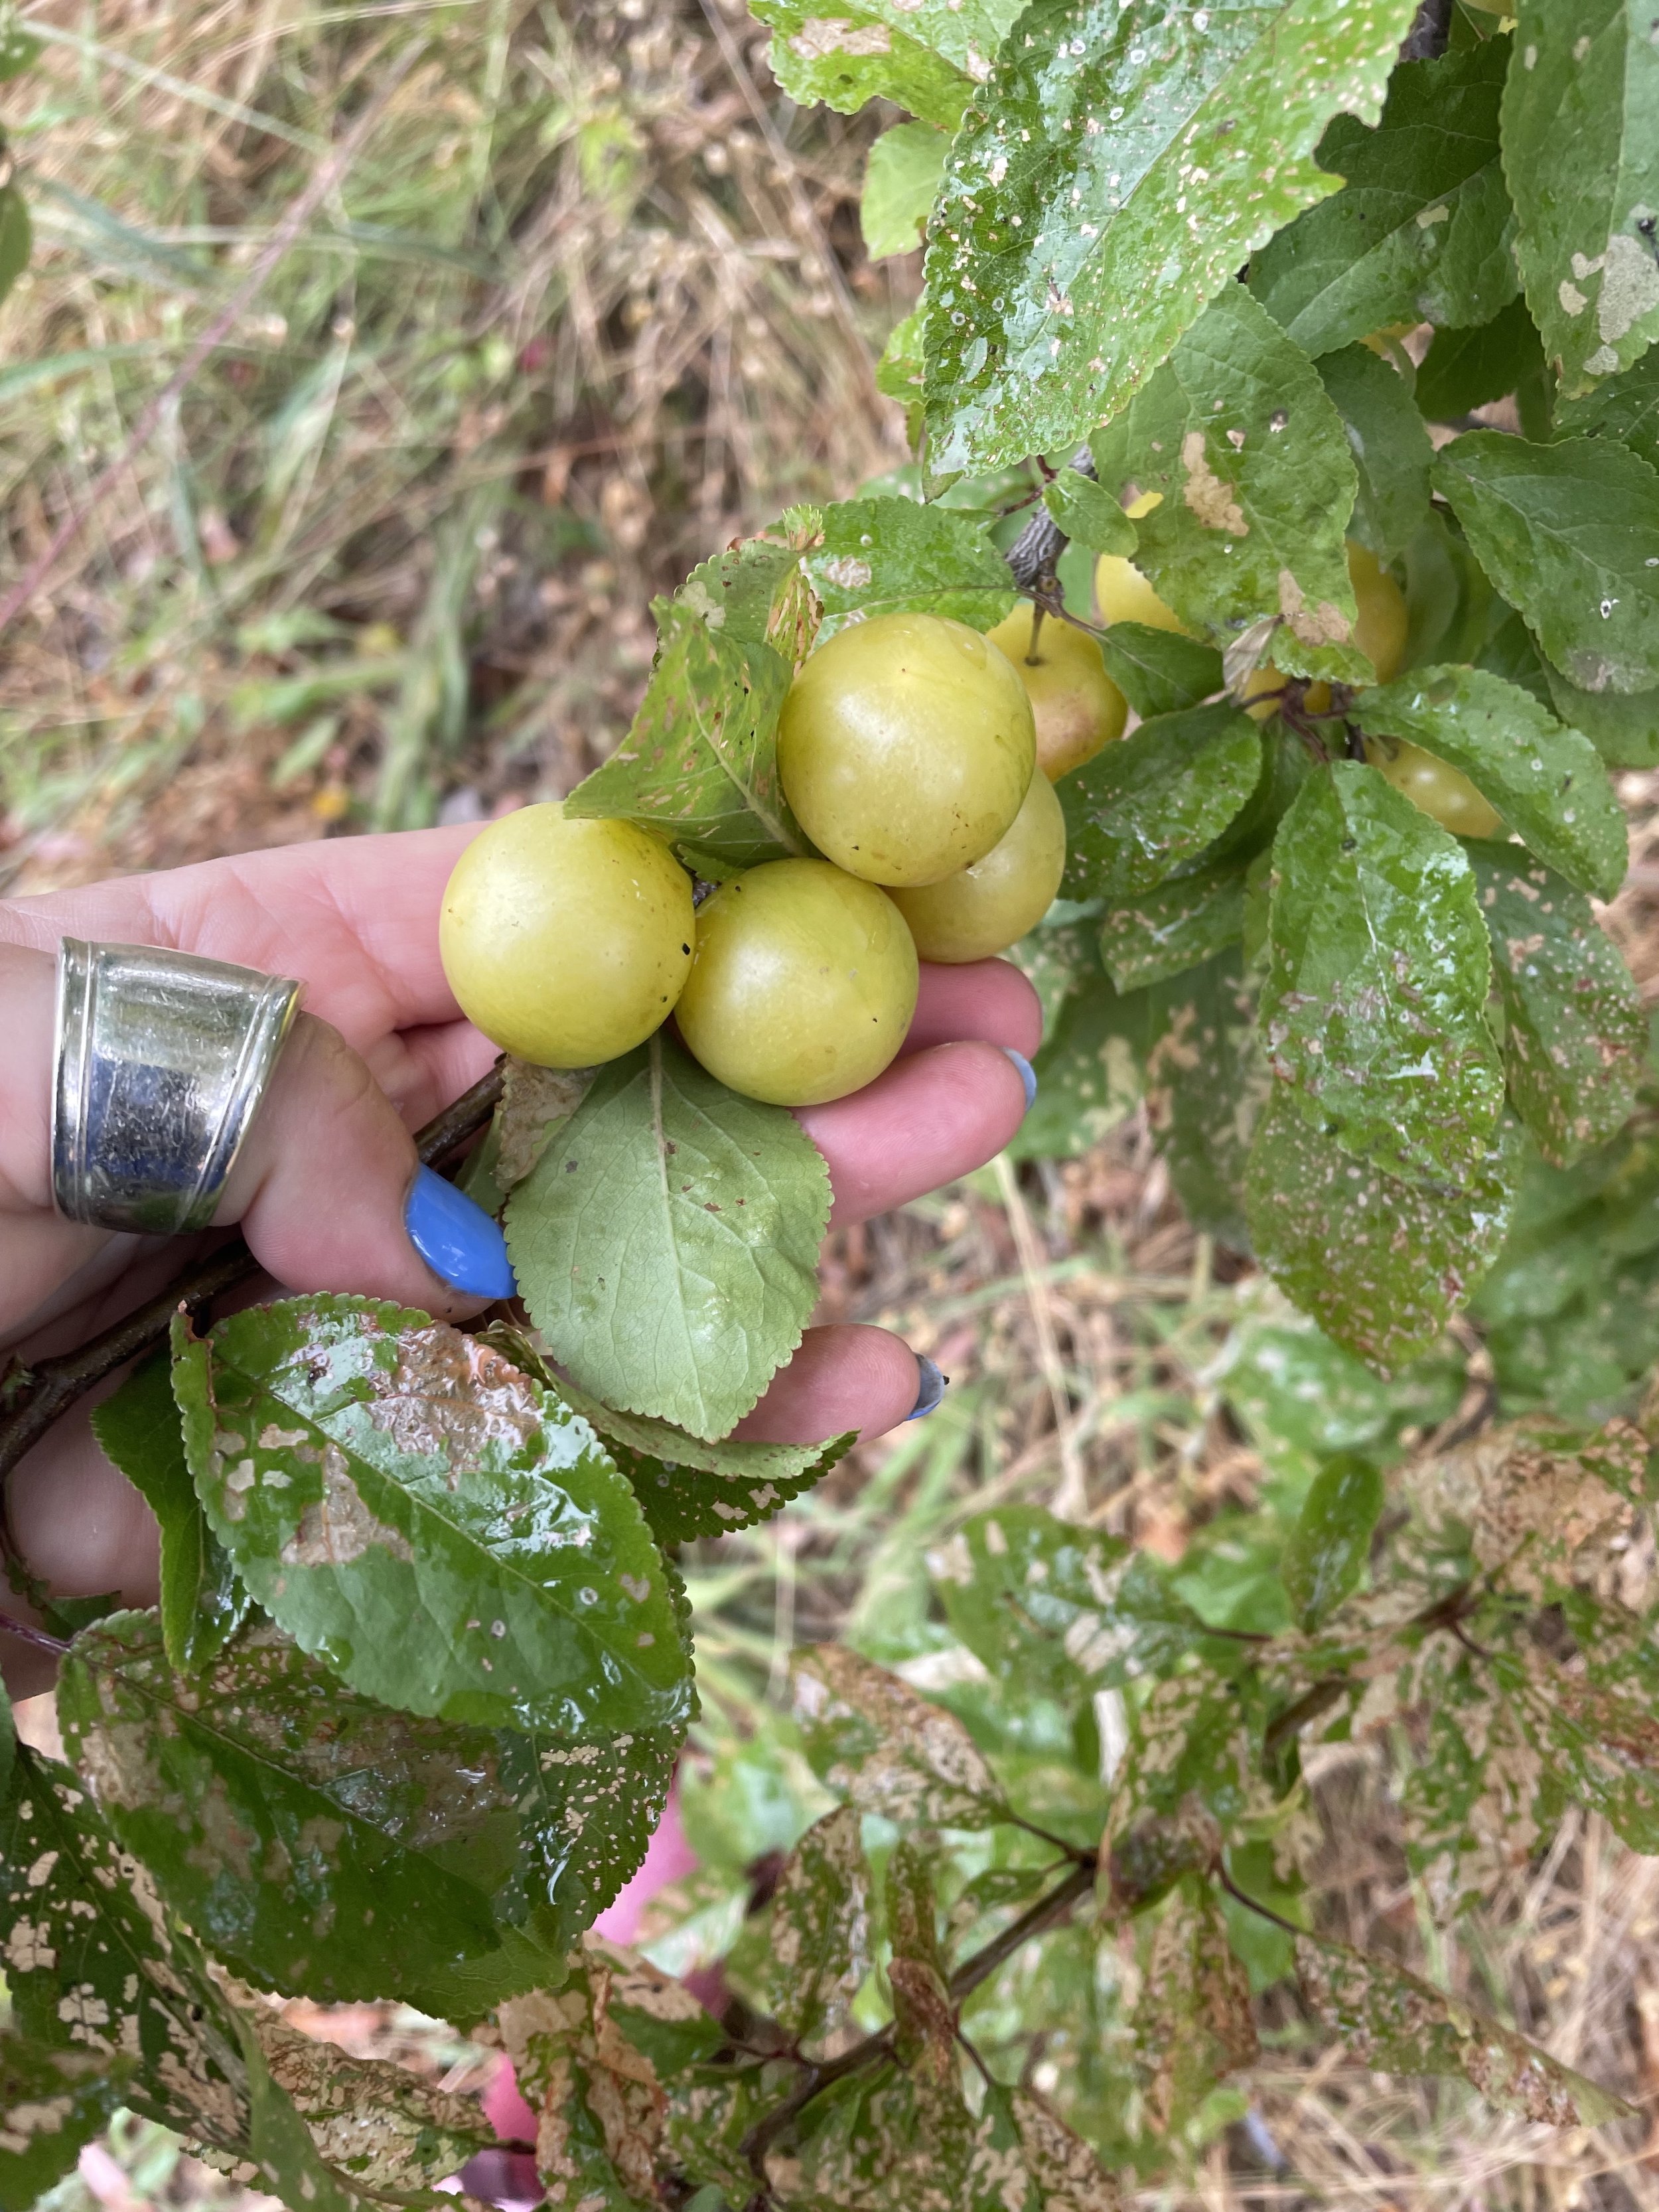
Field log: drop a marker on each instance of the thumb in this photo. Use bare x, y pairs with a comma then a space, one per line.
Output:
330, 1196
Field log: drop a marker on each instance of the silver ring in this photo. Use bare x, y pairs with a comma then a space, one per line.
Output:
163, 1059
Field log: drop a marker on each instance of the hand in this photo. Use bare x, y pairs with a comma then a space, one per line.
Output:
320, 1187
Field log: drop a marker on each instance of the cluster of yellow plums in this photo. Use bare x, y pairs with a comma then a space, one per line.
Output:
919, 758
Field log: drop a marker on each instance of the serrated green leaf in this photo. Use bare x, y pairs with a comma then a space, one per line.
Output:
1381, 1264
699, 766
1328, 1547
1373, 1012
444, 1536
1256, 479
1118, 166
1575, 1036
890, 1751
1159, 672
925, 55
1581, 150
1393, 2021
901, 180
202, 1601
1174, 927
1548, 782
666, 1244
1206, 1081
818, 1951
1420, 231
1088, 514
1142, 806
1622, 725
52, 2103
881, 556
1464, 369
300, 1830
1509, 652
1193, 2023
17, 237
1567, 532
1301, 1398
1390, 447
1624, 407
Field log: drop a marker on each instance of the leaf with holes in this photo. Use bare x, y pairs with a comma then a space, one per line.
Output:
880, 556
1144, 807
889, 1749
446, 1537
53, 2102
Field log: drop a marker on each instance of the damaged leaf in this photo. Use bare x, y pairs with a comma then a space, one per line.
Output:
818, 1951
1144, 807
880, 556
890, 1751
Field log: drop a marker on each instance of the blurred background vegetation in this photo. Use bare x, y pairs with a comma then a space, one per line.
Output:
588, 300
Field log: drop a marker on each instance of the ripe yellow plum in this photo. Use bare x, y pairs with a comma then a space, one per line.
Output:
1076, 706
1380, 631
992, 903
1123, 594
905, 746
566, 941
802, 985
1443, 792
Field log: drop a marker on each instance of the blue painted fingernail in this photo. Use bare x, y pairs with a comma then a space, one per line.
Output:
933, 1387
457, 1239
1027, 1075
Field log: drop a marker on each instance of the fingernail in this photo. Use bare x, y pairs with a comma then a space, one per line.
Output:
933, 1387
457, 1239
1027, 1075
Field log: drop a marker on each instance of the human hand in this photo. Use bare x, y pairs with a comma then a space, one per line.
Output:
320, 1187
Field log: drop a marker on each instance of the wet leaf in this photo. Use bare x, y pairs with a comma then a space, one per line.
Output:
1392, 2021
901, 178
588, 1812
1156, 799
1328, 1547
139, 1429
1118, 165
1257, 482
1464, 369
1088, 514
887, 1748
52, 2102
1575, 1036
1159, 672
883, 557
1174, 925
1381, 1264
1565, 532
666, 1244
1622, 725
1192, 2022
925, 55
1625, 407
1547, 781
1373, 1012
442, 1534
700, 765
1390, 447
818, 1952
1581, 149
1420, 231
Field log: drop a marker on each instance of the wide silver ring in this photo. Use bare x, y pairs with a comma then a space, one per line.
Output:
163, 1059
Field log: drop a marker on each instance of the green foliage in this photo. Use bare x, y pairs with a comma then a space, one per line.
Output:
927, 56
901, 180
1470, 368
1088, 514
1156, 799
1159, 672
53, 2102
1390, 447
878, 556
1326, 1555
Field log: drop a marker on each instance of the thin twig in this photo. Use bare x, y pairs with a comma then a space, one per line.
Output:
27, 1632
305, 204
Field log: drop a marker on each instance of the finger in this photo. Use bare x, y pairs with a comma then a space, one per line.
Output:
329, 1197
847, 1377
930, 1118
987, 999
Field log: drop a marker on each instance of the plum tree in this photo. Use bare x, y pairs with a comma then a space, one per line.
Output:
1379, 631
905, 747
802, 984
566, 941
1443, 792
1076, 706
992, 903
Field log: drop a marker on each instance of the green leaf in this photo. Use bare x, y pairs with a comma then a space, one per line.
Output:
1547, 782
1207, 1080
700, 765
1622, 725
899, 371
1567, 532
1394, 2022
1174, 925
52, 2103
1575, 1036
818, 1949
880, 556
1581, 150
1420, 231
1192, 2022
1159, 672
300, 1830
1625, 407
1088, 1072
1373, 1012
281, 2148
17, 237
890, 1751
901, 181
1088, 514
666, 1244
925, 55
202, 1601
1390, 447
1330, 1543
1381, 1264
1142, 806
1469, 368
1257, 482
446, 1537
18, 48
1118, 166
